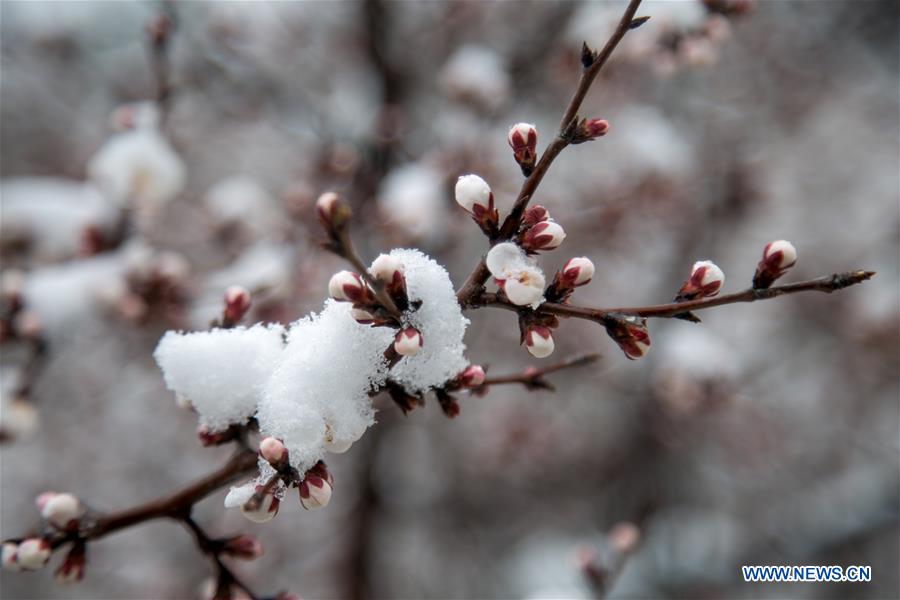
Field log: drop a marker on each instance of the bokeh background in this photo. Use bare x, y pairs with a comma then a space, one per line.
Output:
766, 435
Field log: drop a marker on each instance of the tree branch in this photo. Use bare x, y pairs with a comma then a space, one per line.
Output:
533, 378
827, 284
475, 281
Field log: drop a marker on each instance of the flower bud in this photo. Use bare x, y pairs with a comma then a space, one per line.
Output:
320, 470
208, 437
9, 558
408, 342
474, 194
363, 317
522, 139
237, 303
578, 271
778, 257
61, 510
265, 511
589, 129
72, 568
631, 334
706, 280
624, 537
315, 492
389, 270
332, 211
346, 286
546, 235
539, 341
534, 215
273, 450
472, 376
244, 546
33, 553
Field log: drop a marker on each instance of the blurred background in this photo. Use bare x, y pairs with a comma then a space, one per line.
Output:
137, 184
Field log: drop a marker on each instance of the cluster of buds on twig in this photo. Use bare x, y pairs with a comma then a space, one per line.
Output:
522, 139
475, 196
539, 232
471, 378
62, 515
29, 554
777, 258
630, 333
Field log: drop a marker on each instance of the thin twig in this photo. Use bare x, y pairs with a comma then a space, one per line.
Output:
477, 278
827, 284
213, 548
533, 378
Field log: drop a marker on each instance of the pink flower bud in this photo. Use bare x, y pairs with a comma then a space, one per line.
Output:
539, 341
408, 342
273, 450
706, 280
578, 271
472, 376
332, 211
72, 568
9, 558
778, 257
631, 334
244, 546
42, 499
534, 215
265, 511
237, 303
346, 286
522, 139
546, 235
589, 129
315, 492
62, 510
33, 553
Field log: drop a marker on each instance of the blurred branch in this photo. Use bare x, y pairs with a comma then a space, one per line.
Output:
474, 284
826, 284
225, 577
533, 378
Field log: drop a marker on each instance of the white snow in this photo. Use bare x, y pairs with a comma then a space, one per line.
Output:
220, 372
412, 197
477, 73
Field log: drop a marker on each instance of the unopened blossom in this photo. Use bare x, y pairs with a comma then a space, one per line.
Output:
578, 271
534, 215
33, 553
475, 196
61, 510
522, 139
545, 235
263, 512
332, 211
519, 277
315, 492
389, 270
624, 537
363, 317
778, 257
590, 129
539, 341
347, 286
706, 280
237, 303
472, 376
243, 546
9, 558
408, 342
631, 334
273, 450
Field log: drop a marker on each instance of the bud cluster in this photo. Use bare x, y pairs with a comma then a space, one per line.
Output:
777, 258
29, 554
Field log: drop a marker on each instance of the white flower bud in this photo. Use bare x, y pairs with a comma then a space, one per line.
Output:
522, 139
780, 254
539, 341
362, 317
347, 286
408, 342
315, 492
10, 562
266, 510
273, 450
385, 267
545, 235
62, 510
33, 553
578, 271
706, 280
472, 191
